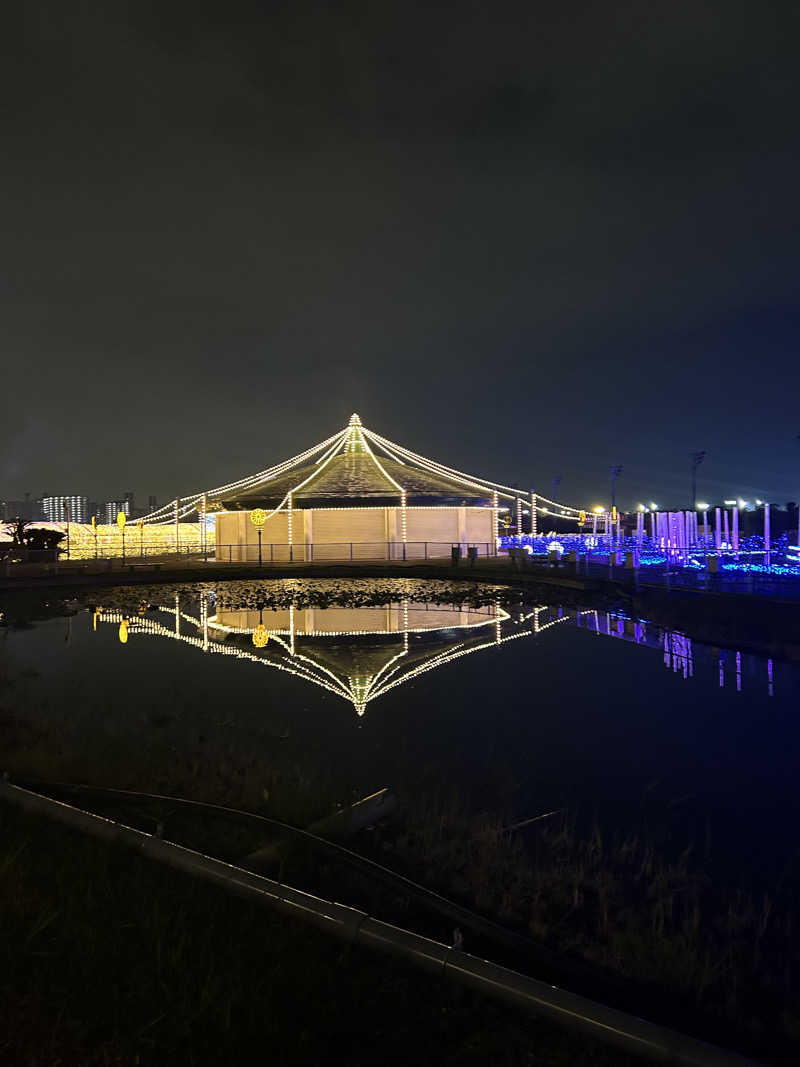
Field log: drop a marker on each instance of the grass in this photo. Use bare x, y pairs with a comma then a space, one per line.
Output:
621, 904
107, 959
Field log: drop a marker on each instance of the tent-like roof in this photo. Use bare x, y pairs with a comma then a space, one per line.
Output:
356, 478
354, 468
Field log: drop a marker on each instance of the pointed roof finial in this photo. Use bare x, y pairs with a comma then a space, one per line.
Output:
355, 420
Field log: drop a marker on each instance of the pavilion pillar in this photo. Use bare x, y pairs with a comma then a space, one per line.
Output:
203, 529
533, 515
495, 522
177, 527
308, 530
519, 516
289, 532
404, 522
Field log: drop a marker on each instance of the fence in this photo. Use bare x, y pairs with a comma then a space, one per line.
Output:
605, 565
13, 558
348, 551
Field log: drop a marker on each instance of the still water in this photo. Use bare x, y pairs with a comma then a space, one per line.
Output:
293, 698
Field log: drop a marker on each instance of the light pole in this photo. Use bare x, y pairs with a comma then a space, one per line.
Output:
614, 473
696, 458
258, 517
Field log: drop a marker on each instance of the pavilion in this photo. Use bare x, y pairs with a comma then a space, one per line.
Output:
356, 495
352, 502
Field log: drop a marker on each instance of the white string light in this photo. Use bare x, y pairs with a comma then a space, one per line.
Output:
351, 439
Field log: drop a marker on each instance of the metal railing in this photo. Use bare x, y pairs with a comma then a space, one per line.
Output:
16, 560
626, 1032
350, 551
620, 567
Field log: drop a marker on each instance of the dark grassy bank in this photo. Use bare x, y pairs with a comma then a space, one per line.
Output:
701, 954
107, 959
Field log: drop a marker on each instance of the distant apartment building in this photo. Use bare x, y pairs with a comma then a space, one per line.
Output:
66, 508
28, 510
112, 508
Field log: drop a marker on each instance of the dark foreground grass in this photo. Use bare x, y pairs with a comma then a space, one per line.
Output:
727, 959
109, 959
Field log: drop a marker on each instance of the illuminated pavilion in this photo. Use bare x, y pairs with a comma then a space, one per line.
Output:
350, 495
356, 495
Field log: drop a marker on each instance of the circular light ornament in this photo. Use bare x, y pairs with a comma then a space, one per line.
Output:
123, 632
122, 518
258, 517
260, 635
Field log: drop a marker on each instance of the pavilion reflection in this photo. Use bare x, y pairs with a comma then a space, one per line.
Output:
361, 653
356, 653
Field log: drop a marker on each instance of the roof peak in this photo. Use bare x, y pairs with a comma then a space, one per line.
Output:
355, 420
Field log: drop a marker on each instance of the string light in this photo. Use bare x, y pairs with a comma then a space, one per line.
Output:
355, 437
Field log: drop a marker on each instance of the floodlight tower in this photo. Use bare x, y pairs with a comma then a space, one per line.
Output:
696, 458
614, 473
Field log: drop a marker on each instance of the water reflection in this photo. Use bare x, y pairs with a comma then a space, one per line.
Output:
356, 653
359, 653
677, 647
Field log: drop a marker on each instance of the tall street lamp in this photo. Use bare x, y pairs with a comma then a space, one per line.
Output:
696, 458
614, 473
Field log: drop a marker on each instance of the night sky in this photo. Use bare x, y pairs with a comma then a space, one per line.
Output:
524, 239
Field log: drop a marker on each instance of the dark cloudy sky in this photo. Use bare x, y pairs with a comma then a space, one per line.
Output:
526, 239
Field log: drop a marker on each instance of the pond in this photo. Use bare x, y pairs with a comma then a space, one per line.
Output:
516, 707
